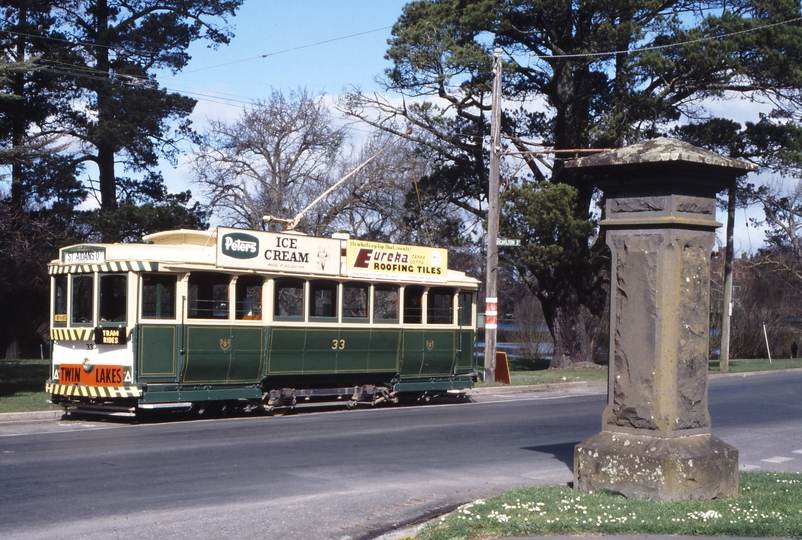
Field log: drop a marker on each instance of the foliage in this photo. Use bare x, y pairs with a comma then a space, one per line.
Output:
28, 241
579, 76
123, 116
32, 99
284, 153
273, 161
553, 239
765, 293
769, 505
78, 95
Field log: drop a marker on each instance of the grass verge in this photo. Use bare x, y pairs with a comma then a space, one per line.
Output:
743, 366
22, 385
527, 372
769, 505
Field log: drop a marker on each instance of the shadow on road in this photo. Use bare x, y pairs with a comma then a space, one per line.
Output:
563, 451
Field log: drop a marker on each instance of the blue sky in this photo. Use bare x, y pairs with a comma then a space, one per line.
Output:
323, 46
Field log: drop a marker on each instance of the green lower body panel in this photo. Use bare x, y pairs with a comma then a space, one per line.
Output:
433, 385
311, 351
173, 395
223, 354
428, 353
158, 352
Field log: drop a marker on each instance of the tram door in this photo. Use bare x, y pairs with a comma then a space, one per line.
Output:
215, 350
428, 351
159, 331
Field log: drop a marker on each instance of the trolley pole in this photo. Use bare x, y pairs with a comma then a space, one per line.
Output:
491, 300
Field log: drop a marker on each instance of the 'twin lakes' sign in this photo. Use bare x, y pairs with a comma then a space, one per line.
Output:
253, 250
396, 261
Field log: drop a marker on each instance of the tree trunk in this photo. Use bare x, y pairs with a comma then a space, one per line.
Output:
12, 349
574, 328
106, 176
105, 115
18, 125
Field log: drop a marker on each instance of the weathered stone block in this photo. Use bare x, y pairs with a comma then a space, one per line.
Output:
660, 226
699, 467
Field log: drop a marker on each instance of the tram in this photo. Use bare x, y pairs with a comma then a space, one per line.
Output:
255, 320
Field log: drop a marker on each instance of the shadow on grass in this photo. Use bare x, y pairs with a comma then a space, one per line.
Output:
527, 364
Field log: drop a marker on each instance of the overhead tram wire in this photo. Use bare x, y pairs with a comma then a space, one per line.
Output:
267, 55
88, 72
666, 46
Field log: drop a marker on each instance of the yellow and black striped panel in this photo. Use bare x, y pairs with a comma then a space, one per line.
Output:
79, 334
72, 334
80, 390
114, 266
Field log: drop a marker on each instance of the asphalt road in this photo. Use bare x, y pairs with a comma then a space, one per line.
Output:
340, 475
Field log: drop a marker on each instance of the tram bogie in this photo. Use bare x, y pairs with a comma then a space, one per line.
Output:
256, 321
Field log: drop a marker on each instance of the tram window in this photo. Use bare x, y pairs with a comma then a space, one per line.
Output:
60, 300
355, 301
289, 295
440, 306
158, 296
323, 299
465, 309
113, 296
208, 295
413, 305
82, 294
385, 303
249, 297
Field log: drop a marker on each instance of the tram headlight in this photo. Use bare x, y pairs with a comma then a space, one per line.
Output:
88, 368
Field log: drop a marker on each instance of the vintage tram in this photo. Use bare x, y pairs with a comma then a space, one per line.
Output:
257, 321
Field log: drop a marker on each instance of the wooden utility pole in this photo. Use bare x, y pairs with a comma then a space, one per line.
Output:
726, 309
491, 300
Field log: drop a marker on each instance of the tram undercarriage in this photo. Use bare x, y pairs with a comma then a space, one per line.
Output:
273, 402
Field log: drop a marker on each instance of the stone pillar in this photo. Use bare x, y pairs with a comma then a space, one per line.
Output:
660, 221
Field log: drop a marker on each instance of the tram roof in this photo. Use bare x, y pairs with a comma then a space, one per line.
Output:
175, 250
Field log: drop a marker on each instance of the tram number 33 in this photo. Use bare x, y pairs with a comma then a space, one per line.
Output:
337, 344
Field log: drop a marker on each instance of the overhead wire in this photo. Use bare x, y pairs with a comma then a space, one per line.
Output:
668, 45
88, 71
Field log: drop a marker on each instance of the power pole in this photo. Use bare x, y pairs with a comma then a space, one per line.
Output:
491, 300
726, 309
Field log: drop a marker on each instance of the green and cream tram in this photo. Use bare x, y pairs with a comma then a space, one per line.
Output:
252, 319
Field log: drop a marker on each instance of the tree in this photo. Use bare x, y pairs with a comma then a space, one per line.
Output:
123, 116
783, 211
28, 241
274, 160
372, 204
78, 89
766, 295
32, 97
553, 258
583, 75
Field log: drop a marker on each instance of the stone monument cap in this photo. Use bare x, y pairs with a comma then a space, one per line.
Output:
658, 161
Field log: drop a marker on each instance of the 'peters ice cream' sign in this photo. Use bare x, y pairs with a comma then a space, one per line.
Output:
254, 250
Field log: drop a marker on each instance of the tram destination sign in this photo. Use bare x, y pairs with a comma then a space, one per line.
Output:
256, 250
379, 260
83, 255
